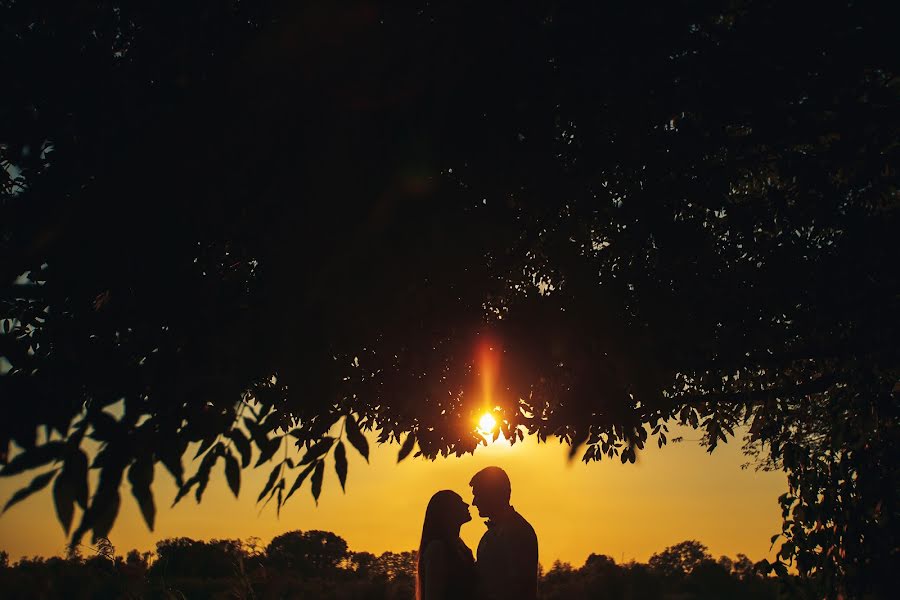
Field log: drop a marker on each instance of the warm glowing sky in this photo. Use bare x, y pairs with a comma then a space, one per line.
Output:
625, 511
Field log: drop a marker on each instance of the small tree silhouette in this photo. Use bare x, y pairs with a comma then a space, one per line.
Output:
307, 552
681, 559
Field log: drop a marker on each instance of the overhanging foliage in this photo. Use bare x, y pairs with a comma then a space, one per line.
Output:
255, 224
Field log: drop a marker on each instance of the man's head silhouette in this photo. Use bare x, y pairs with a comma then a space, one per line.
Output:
491, 491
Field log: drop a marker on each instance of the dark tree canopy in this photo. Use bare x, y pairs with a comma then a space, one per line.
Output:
246, 219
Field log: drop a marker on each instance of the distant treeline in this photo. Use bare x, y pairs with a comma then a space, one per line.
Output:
318, 564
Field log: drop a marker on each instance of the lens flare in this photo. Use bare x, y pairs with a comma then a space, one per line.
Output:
487, 423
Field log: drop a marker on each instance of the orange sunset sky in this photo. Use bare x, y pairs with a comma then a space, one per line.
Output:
625, 511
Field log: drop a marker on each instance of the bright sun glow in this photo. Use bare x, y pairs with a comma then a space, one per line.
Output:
487, 423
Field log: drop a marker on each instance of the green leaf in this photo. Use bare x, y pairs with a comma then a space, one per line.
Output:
316, 480
316, 450
356, 437
340, 464
300, 478
243, 446
407, 447
64, 500
36, 485
140, 475
272, 477
33, 458
232, 473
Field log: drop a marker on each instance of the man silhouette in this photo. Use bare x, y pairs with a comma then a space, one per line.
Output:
507, 552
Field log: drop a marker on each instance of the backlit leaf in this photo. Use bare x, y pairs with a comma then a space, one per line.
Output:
316, 480
184, 489
317, 450
205, 445
300, 478
170, 456
64, 500
268, 450
33, 458
36, 485
340, 464
203, 472
271, 482
140, 475
578, 440
105, 426
356, 437
104, 509
232, 473
75, 470
279, 501
243, 446
407, 447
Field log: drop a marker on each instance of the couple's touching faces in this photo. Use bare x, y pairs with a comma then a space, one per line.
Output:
507, 553
488, 504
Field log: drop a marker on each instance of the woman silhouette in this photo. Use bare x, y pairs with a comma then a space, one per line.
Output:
446, 569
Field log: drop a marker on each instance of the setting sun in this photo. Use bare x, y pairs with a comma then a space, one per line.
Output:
487, 423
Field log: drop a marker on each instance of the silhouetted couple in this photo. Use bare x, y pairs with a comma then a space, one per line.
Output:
507, 553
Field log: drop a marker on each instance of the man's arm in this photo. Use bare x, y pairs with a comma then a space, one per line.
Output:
523, 558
